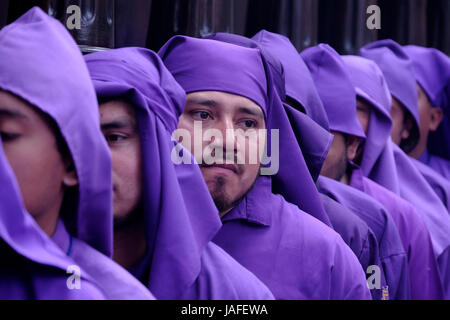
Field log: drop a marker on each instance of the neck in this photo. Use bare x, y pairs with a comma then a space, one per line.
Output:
130, 244
49, 220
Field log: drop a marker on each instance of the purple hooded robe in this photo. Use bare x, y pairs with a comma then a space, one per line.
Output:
412, 186
40, 63
264, 232
370, 85
432, 71
314, 140
180, 217
338, 96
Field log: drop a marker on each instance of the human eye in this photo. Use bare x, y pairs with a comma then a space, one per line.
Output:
114, 137
8, 136
248, 124
201, 115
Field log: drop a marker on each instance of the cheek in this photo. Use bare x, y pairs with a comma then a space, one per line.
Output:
125, 167
39, 171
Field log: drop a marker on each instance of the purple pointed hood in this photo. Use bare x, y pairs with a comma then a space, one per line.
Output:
432, 70
335, 88
299, 84
180, 216
398, 71
313, 139
191, 61
378, 162
55, 80
40, 63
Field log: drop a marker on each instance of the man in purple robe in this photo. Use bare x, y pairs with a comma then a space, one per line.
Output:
373, 101
310, 124
339, 100
230, 90
409, 182
432, 71
50, 134
164, 217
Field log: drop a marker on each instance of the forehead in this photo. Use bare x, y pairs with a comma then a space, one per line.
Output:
17, 106
117, 109
224, 100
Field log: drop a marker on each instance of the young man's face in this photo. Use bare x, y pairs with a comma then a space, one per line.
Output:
31, 149
430, 119
342, 151
227, 183
120, 128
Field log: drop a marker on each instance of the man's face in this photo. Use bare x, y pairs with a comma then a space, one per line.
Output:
342, 150
335, 164
119, 126
399, 131
363, 113
30, 147
227, 183
430, 118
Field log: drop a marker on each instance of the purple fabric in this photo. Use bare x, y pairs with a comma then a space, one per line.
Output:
40, 62
180, 216
264, 225
378, 161
294, 254
314, 140
392, 254
438, 164
330, 77
187, 57
116, 282
415, 238
398, 71
415, 189
314, 150
299, 84
437, 182
432, 71
402, 177
38, 49
357, 235
33, 266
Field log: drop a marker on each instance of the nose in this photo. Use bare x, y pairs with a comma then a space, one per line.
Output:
227, 140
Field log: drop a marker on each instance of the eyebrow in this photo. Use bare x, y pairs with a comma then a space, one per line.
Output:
212, 103
202, 102
257, 113
118, 124
12, 114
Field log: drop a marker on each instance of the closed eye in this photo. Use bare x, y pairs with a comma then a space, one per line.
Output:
6, 136
114, 137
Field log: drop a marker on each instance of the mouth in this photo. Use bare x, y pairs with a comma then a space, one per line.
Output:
229, 167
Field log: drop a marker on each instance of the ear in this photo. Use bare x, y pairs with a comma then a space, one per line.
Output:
352, 147
70, 178
436, 116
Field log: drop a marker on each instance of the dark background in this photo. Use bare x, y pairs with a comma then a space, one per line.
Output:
340, 23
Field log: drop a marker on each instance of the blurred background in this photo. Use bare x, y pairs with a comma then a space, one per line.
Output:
340, 23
